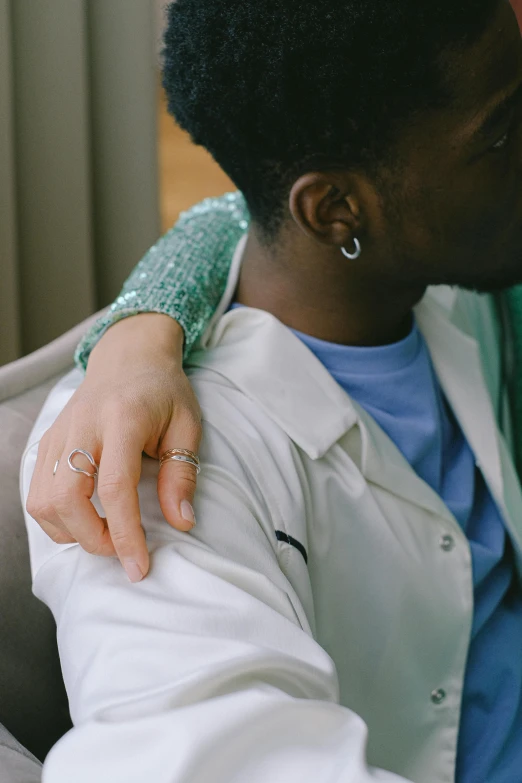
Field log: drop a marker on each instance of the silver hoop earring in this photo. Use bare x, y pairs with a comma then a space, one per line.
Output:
357, 253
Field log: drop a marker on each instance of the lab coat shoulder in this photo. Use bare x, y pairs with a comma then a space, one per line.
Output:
248, 455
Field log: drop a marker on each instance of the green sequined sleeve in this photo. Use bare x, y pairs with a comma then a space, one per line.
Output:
183, 275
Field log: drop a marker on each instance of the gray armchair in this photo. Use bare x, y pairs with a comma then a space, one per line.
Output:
33, 703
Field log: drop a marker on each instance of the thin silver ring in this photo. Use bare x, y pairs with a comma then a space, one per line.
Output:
55, 466
182, 458
80, 470
353, 256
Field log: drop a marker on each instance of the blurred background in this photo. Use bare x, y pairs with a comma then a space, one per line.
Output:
92, 168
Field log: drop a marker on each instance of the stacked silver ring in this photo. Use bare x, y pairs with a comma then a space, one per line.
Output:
181, 455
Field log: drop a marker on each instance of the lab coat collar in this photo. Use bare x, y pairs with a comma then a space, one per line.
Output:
253, 350
262, 357
457, 361
456, 358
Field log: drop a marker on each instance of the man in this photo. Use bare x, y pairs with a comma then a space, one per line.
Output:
356, 564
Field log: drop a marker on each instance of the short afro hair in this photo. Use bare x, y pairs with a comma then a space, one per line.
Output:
275, 88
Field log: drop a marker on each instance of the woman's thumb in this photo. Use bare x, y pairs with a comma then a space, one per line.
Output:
177, 476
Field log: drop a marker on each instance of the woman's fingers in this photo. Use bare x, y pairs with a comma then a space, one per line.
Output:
70, 498
68, 515
177, 480
61, 503
119, 475
38, 504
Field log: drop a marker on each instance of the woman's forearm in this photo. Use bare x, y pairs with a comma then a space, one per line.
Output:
183, 275
145, 334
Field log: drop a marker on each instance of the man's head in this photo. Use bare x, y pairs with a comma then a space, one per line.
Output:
363, 118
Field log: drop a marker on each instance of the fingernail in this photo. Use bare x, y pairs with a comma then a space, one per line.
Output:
133, 570
187, 512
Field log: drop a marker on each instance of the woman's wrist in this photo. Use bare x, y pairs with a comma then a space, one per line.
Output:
143, 334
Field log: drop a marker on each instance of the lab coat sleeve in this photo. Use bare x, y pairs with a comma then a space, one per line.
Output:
204, 671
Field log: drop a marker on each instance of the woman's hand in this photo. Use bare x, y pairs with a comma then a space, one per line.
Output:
135, 398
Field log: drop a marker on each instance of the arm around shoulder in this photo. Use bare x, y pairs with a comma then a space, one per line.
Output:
183, 275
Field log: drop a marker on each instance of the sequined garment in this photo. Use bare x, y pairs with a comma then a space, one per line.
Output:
183, 275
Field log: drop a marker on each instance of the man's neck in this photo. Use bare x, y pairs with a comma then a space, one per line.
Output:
324, 295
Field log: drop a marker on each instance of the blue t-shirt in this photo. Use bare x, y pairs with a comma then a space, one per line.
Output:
397, 385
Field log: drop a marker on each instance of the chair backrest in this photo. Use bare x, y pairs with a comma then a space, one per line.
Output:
33, 704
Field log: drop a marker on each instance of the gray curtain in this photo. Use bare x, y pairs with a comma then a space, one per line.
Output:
79, 197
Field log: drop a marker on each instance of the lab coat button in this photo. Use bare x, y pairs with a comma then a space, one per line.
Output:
438, 696
447, 543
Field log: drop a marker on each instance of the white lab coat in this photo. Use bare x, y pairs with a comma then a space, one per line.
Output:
315, 625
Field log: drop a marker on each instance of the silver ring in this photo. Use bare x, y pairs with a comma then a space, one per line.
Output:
183, 458
89, 457
55, 466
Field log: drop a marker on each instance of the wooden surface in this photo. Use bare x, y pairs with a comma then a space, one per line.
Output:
187, 172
